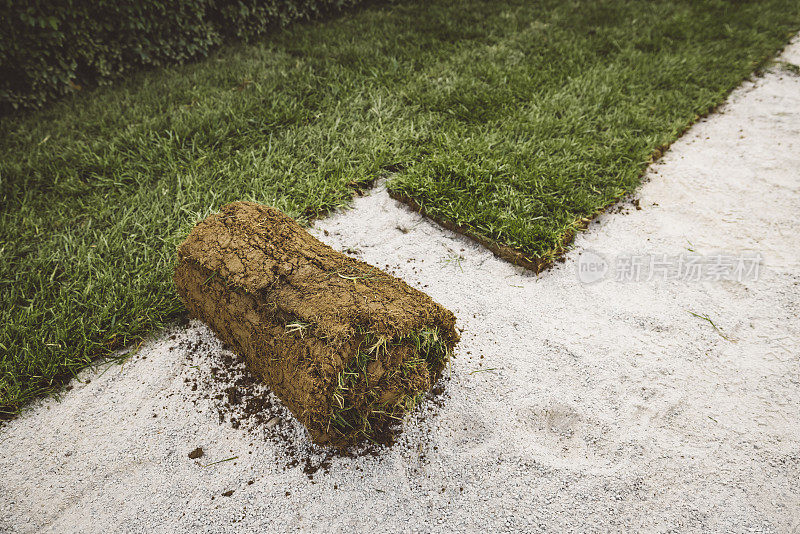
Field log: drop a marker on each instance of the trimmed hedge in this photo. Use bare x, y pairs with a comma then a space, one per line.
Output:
49, 48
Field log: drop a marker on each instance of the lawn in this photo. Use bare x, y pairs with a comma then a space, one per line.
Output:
511, 120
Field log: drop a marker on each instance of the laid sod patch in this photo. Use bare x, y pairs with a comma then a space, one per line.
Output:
511, 120
346, 347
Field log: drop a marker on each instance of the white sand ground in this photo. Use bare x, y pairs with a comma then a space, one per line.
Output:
603, 406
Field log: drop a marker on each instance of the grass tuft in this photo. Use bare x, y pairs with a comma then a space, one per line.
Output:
359, 405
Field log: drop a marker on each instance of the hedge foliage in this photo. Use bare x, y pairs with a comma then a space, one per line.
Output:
49, 48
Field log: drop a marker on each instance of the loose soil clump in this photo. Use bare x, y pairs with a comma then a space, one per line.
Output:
348, 348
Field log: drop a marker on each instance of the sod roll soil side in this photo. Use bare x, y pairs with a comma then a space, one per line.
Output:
348, 348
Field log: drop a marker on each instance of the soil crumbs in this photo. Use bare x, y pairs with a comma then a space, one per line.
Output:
218, 381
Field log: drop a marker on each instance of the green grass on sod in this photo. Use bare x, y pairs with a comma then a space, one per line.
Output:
510, 119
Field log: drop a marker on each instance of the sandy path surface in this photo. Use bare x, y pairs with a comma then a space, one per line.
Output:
570, 405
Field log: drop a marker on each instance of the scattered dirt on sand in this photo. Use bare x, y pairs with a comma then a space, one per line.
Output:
220, 379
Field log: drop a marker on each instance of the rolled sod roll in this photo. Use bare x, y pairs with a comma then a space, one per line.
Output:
348, 348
